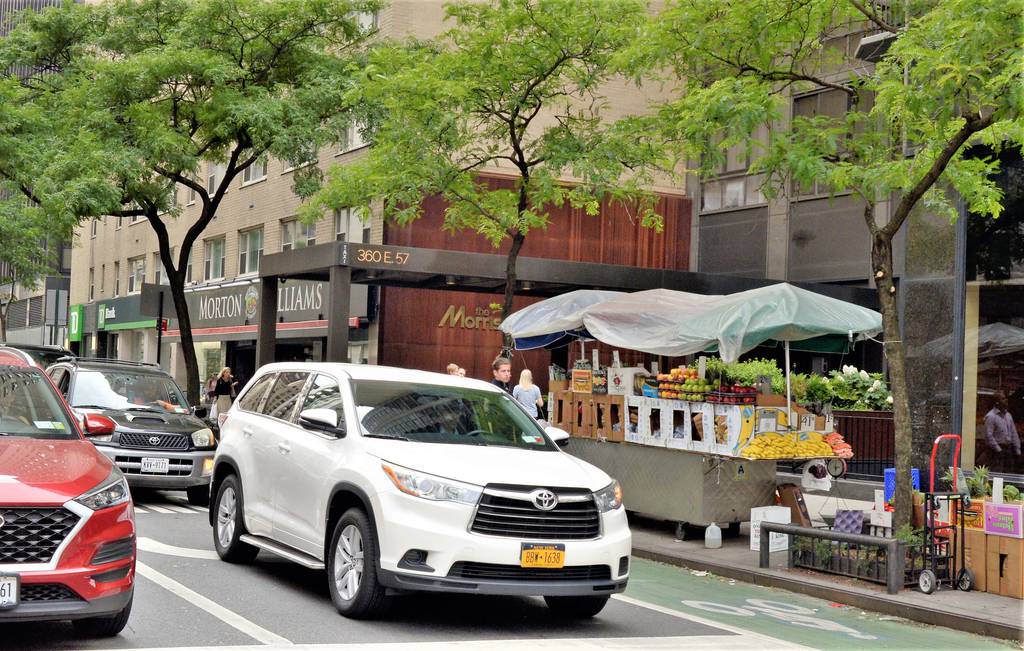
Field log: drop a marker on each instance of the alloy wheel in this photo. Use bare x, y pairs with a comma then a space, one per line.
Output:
348, 562
226, 517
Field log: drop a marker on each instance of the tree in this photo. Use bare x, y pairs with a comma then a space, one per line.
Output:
23, 261
515, 86
157, 87
949, 80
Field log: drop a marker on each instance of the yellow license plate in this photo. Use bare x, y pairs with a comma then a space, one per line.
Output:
537, 555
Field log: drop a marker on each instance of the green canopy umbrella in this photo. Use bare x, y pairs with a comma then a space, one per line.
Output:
777, 313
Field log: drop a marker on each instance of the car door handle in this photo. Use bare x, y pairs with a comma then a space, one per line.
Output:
284, 448
247, 432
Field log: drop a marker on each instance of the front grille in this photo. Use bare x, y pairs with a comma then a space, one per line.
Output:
133, 466
494, 572
163, 441
32, 535
503, 515
46, 592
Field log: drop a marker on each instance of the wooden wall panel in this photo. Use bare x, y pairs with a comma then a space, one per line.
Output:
412, 333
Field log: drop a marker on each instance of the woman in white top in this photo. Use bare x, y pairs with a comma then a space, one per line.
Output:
527, 393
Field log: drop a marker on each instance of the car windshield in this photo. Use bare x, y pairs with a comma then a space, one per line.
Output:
30, 408
127, 391
430, 413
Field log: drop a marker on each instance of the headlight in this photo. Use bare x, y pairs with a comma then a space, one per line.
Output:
112, 491
609, 498
202, 438
429, 487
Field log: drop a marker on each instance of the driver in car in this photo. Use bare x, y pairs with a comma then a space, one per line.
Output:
150, 395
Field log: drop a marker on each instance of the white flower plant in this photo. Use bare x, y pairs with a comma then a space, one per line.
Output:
856, 389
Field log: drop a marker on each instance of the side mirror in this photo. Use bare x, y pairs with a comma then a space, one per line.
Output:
558, 435
322, 420
98, 425
199, 412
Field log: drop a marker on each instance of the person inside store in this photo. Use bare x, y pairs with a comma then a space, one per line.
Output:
502, 370
1001, 436
452, 369
528, 393
224, 392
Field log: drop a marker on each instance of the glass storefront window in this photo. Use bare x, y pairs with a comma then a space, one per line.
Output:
993, 421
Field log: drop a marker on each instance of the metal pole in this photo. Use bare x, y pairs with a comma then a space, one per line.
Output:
789, 393
959, 317
159, 326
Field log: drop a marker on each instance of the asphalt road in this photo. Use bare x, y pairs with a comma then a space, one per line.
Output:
187, 598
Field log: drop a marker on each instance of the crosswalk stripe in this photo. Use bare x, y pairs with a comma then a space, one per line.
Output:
180, 509
199, 509
158, 509
139, 509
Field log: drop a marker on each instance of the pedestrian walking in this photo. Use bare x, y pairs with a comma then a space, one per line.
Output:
224, 392
502, 370
528, 394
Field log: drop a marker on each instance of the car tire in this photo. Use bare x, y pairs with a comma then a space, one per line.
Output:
577, 607
198, 495
107, 626
352, 567
228, 524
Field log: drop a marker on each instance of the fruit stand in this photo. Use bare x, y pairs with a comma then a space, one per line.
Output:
688, 448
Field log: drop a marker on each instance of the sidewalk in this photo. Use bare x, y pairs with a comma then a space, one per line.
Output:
974, 612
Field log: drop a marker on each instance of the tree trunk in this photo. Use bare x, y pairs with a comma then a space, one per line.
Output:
176, 281
510, 283
881, 263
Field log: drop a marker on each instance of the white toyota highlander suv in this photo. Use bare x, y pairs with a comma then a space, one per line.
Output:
395, 480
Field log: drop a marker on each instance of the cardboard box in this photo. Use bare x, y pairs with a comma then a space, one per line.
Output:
792, 497
1011, 555
974, 516
1005, 572
554, 386
1004, 519
600, 416
621, 381
581, 413
778, 541
975, 558
561, 411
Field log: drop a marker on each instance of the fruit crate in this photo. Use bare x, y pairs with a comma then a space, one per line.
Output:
733, 397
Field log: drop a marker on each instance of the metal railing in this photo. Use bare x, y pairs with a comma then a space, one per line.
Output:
881, 560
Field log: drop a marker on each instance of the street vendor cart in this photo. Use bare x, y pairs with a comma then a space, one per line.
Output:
685, 448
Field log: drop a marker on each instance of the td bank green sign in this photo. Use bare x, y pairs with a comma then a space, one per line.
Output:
76, 319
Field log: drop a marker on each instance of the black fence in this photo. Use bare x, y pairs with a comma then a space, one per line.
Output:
871, 434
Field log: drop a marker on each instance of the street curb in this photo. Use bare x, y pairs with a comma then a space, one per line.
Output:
946, 619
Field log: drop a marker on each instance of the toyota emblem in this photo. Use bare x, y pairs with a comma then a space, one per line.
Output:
154, 440
544, 499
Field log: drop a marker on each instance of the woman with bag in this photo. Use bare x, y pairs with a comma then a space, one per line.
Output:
224, 392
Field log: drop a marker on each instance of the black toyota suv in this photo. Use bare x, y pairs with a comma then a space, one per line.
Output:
149, 431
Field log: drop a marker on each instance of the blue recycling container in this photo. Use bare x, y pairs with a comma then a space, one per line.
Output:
890, 481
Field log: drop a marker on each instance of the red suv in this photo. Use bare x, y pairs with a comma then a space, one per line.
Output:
67, 526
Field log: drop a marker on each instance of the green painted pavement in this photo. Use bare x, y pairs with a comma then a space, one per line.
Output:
789, 616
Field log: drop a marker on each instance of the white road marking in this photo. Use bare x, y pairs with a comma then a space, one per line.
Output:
158, 509
180, 509
770, 642
139, 509
199, 509
229, 617
709, 642
157, 547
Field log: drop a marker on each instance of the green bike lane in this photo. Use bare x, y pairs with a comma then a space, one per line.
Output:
788, 616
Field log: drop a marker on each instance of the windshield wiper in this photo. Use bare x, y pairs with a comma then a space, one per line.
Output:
385, 436
143, 408
93, 407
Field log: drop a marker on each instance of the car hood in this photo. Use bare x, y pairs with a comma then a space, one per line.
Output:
491, 465
40, 472
151, 421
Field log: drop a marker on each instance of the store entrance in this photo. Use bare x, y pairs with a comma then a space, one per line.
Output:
241, 358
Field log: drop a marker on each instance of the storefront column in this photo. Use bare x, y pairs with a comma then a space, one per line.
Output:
266, 337
339, 292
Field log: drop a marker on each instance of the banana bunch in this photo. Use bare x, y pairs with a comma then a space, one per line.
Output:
778, 446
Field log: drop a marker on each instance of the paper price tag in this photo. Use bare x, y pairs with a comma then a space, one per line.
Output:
806, 423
